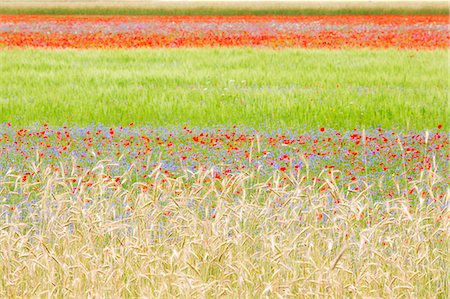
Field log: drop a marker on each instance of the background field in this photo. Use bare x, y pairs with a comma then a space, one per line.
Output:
291, 88
335, 7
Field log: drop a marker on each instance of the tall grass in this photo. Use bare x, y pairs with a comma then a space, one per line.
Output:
195, 236
288, 88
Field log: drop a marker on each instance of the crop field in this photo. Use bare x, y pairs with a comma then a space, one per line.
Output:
224, 152
292, 88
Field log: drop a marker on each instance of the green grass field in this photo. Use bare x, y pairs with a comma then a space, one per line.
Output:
211, 11
224, 8
272, 88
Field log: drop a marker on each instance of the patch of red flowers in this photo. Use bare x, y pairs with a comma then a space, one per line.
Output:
421, 32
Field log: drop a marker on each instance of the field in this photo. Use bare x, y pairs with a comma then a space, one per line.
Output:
224, 8
208, 151
255, 87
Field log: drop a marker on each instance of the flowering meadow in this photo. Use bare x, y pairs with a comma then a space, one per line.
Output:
253, 169
355, 158
424, 32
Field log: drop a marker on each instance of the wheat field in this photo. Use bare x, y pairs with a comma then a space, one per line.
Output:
194, 236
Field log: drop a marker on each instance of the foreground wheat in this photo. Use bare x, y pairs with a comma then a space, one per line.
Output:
239, 236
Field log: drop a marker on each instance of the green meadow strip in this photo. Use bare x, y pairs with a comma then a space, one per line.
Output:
292, 88
227, 10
